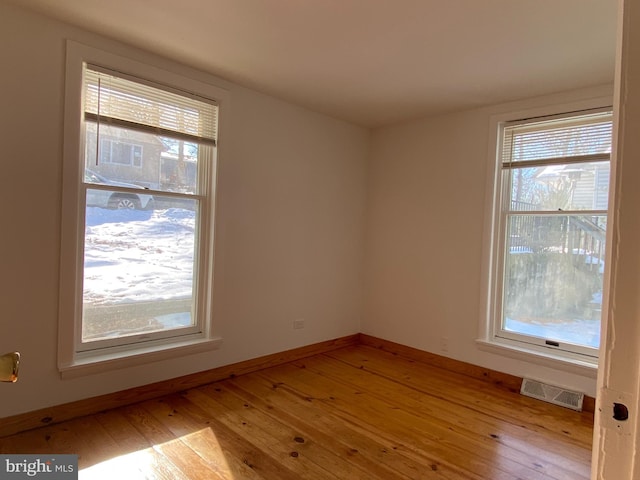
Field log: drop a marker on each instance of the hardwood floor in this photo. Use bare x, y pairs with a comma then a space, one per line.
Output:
354, 413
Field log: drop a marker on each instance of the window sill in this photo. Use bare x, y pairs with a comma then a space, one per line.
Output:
585, 366
112, 359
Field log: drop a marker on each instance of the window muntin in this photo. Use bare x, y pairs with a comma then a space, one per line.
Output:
551, 229
146, 230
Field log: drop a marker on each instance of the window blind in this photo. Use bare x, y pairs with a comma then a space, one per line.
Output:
112, 98
585, 137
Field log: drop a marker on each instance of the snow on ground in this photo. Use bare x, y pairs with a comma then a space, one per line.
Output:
578, 331
138, 255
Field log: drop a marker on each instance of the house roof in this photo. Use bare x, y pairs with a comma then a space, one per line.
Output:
371, 62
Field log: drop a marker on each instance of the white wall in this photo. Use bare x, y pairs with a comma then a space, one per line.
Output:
290, 229
426, 207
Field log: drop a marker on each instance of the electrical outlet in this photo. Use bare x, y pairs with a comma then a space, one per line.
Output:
444, 344
298, 323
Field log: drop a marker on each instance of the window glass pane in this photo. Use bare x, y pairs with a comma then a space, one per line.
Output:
553, 277
138, 267
142, 159
574, 186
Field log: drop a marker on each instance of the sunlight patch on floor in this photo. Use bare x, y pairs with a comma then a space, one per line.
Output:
200, 450
136, 465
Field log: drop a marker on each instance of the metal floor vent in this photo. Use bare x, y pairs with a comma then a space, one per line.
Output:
551, 394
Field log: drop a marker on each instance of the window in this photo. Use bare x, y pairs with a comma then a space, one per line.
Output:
549, 232
137, 251
121, 153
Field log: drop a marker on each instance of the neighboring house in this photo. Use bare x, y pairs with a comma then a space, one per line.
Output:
587, 185
126, 156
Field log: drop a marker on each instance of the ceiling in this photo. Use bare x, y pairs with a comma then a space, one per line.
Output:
371, 62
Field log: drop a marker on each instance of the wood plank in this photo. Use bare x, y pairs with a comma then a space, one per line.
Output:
57, 438
190, 463
143, 464
273, 440
97, 445
297, 448
470, 418
500, 379
575, 426
314, 423
122, 431
380, 418
519, 442
424, 432
356, 412
241, 456
146, 424
67, 411
156, 459
60, 413
83, 437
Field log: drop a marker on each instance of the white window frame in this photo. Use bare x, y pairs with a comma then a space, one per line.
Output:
491, 304
75, 359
